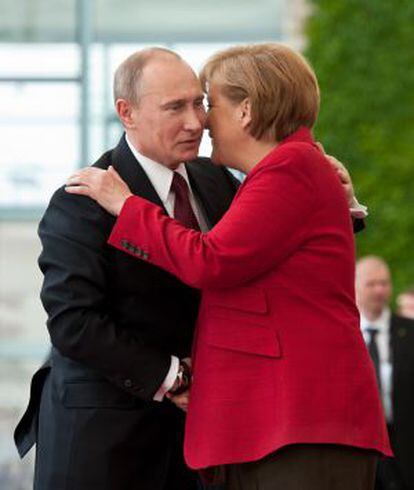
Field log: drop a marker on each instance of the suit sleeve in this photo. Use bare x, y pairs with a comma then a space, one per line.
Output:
266, 222
358, 224
75, 294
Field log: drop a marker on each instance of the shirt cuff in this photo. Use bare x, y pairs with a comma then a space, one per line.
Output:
358, 210
169, 380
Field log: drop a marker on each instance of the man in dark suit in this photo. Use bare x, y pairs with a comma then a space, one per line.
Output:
120, 328
390, 340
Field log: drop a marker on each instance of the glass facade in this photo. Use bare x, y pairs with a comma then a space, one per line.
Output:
57, 60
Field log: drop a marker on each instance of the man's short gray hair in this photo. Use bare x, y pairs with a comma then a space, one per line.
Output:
129, 73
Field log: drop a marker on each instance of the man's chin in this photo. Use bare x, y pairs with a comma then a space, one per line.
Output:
189, 154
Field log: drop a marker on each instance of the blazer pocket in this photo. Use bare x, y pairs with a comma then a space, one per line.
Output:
242, 336
98, 394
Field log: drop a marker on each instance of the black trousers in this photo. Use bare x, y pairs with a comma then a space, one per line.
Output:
306, 467
389, 475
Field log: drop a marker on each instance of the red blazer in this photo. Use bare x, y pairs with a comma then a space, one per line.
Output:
278, 355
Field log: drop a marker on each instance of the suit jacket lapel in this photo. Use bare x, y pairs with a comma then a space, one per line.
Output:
131, 171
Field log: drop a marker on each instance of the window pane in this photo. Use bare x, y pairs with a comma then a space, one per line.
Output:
40, 140
39, 60
37, 20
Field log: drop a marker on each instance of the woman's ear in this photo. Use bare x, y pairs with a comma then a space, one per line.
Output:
245, 113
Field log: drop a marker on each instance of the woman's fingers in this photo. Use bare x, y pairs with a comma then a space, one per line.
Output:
81, 190
89, 177
113, 172
104, 186
344, 176
320, 147
76, 180
88, 174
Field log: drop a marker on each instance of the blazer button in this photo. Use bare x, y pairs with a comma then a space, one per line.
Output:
128, 383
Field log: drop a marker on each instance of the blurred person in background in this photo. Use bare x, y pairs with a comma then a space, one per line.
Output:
405, 303
390, 341
284, 393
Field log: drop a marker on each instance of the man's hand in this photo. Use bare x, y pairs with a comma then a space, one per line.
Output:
181, 400
343, 175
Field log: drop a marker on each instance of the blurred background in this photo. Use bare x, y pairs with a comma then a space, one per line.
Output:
57, 59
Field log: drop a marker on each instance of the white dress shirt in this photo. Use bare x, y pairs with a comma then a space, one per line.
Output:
161, 178
383, 325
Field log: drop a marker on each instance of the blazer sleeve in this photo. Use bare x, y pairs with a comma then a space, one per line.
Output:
75, 295
266, 222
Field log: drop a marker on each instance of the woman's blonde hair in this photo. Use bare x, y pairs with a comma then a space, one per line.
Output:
280, 84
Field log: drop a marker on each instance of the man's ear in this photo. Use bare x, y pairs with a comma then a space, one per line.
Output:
125, 113
245, 113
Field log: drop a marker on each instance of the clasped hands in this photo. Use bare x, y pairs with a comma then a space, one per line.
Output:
181, 398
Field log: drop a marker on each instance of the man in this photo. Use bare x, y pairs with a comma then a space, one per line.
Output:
100, 409
390, 340
119, 327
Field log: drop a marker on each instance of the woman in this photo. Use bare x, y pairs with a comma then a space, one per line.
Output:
284, 392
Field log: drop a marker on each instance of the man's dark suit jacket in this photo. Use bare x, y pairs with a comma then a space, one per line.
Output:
402, 438
114, 323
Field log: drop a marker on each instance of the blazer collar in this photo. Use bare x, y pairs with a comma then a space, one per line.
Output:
302, 134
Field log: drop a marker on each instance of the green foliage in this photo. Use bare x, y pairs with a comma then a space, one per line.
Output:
363, 54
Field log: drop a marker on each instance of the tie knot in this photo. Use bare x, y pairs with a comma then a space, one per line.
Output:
179, 184
372, 331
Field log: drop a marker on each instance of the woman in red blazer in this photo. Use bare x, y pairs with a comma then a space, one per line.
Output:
281, 376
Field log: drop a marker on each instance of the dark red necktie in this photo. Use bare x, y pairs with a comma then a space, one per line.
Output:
183, 211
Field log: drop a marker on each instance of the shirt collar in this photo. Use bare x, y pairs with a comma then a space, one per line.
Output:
382, 323
159, 175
